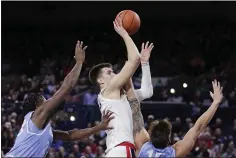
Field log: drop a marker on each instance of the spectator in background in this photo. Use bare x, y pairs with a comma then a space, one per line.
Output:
76, 151
90, 100
90, 97
62, 152
100, 152
88, 152
230, 151
201, 150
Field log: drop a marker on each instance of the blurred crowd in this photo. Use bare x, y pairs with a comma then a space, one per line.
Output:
37, 61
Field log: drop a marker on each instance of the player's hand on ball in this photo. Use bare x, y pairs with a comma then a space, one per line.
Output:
217, 95
146, 52
106, 118
118, 26
80, 52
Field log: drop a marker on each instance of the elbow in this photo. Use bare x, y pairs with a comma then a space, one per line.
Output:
145, 93
72, 137
149, 93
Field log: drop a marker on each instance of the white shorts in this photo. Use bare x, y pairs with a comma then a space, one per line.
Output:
122, 150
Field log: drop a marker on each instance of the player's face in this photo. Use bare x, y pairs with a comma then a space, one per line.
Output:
107, 74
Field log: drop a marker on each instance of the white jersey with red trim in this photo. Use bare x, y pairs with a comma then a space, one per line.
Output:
122, 123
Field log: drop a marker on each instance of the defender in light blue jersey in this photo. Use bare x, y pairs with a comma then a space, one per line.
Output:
156, 142
31, 141
148, 150
36, 134
160, 132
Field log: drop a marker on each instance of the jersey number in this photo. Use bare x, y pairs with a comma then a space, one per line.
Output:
150, 153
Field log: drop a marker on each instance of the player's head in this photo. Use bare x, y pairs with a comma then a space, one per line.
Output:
32, 101
160, 133
101, 74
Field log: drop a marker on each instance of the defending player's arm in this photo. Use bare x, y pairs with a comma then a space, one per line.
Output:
74, 135
41, 113
183, 147
132, 63
146, 90
140, 134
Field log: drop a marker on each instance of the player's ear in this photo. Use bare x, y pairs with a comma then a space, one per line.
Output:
100, 81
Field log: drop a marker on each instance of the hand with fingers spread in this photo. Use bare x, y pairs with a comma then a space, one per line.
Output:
216, 95
118, 26
106, 118
80, 52
146, 52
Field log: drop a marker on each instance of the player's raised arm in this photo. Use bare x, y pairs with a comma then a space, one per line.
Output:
75, 135
133, 58
41, 113
140, 134
146, 90
183, 147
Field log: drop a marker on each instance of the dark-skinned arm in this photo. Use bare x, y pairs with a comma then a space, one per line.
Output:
76, 134
42, 113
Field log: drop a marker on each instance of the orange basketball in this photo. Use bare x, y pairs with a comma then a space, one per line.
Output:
131, 21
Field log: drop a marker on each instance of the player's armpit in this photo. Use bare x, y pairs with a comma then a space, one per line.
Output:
183, 147
118, 81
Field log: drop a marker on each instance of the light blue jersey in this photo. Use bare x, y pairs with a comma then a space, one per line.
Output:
148, 150
31, 141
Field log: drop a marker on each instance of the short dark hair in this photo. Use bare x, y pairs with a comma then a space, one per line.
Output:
96, 70
159, 133
31, 102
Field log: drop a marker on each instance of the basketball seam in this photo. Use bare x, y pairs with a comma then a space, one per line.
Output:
131, 23
124, 16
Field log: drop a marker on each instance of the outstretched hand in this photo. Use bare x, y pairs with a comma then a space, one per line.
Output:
80, 52
118, 26
106, 118
216, 95
146, 51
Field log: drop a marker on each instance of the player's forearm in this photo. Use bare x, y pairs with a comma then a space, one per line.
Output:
205, 118
146, 90
138, 123
133, 53
72, 78
83, 133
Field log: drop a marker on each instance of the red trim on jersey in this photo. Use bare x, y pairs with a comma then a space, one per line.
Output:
129, 147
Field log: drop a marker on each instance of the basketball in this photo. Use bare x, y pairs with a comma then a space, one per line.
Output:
131, 21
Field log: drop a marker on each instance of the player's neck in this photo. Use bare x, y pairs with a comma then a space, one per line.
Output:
102, 87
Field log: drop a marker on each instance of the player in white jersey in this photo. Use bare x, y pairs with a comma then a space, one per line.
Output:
112, 97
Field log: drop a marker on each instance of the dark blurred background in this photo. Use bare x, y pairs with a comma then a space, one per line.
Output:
195, 42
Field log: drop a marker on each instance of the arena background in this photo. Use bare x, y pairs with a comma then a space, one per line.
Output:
194, 43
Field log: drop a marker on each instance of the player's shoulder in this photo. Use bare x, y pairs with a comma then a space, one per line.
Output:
28, 115
146, 145
169, 150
